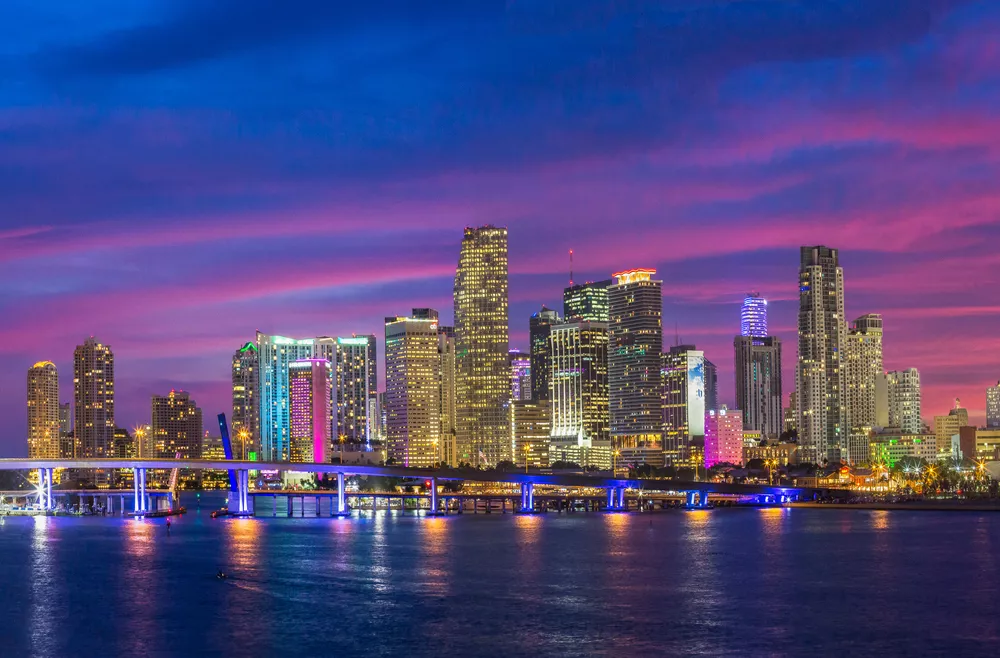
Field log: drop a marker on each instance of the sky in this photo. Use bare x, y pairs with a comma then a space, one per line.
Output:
177, 174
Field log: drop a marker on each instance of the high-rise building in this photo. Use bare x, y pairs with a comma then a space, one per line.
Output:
94, 401
176, 424
587, 301
481, 344
711, 385
276, 353
65, 418
309, 393
862, 365
246, 410
356, 386
124, 445
446, 396
903, 395
635, 304
819, 375
579, 405
683, 404
531, 424
723, 437
993, 406
43, 411
520, 376
539, 327
758, 383
947, 429
753, 316
413, 389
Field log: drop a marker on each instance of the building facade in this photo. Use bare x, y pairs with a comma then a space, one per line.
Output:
580, 411
93, 401
948, 427
539, 326
531, 424
43, 411
862, 366
753, 316
758, 383
246, 410
723, 437
683, 403
481, 344
356, 385
819, 374
993, 406
520, 376
587, 301
890, 447
904, 400
635, 342
309, 393
176, 424
448, 454
413, 389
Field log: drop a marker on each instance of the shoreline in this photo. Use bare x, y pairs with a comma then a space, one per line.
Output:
919, 506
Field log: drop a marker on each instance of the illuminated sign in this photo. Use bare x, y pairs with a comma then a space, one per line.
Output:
352, 341
696, 393
631, 276
281, 340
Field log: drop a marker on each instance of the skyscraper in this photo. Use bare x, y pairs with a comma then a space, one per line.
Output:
246, 410
723, 437
539, 327
94, 401
862, 366
309, 393
446, 395
753, 316
579, 406
356, 386
481, 344
947, 430
43, 411
65, 418
531, 424
819, 375
276, 353
903, 394
587, 301
520, 376
993, 406
711, 386
176, 424
684, 402
413, 389
758, 383
635, 304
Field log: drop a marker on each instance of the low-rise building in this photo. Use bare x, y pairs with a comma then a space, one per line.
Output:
889, 448
783, 453
988, 443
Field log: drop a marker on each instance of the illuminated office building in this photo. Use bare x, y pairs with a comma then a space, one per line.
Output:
904, 400
684, 404
520, 376
539, 327
711, 385
723, 437
245, 428
587, 301
176, 424
635, 342
43, 411
448, 454
356, 386
862, 366
753, 316
94, 403
65, 418
309, 394
413, 389
481, 344
758, 383
993, 406
579, 404
531, 424
947, 429
819, 374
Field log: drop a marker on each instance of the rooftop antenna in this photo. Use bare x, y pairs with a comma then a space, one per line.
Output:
677, 335
570, 267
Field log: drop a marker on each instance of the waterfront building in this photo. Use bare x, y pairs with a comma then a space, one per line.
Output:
211, 448
988, 444
587, 301
635, 342
309, 395
176, 424
993, 406
903, 400
783, 454
124, 446
683, 404
579, 383
448, 453
859, 445
888, 448
531, 424
355, 386
758, 383
245, 429
481, 344
753, 316
43, 411
948, 427
93, 403
819, 374
723, 437
862, 366
520, 376
539, 327
413, 389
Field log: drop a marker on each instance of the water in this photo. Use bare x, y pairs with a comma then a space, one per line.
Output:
723, 582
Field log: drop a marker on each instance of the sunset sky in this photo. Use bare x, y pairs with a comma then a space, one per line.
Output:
176, 174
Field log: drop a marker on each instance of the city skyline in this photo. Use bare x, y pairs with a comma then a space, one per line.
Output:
188, 232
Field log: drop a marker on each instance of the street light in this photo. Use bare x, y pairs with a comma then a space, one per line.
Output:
244, 436
614, 462
527, 449
770, 463
343, 437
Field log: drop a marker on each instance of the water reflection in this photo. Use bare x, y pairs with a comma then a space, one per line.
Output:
44, 588
140, 590
435, 569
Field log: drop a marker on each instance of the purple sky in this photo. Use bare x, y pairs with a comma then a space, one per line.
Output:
175, 174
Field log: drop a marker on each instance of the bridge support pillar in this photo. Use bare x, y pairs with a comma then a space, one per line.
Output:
527, 498
433, 511
616, 500
702, 499
45, 489
241, 496
141, 505
689, 498
342, 509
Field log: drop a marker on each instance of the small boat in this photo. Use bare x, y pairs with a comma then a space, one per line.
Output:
221, 575
220, 512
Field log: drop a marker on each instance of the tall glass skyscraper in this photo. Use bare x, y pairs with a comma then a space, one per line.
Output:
993, 406
758, 383
413, 389
579, 405
481, 344
684, 400
753, 316
43, 411
94, 398
520, 376
355, 388
309, 384
587, 301
539, 327
246, 418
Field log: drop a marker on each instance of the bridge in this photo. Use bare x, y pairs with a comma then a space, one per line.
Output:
696, 493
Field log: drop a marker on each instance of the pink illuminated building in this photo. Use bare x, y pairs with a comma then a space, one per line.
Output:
309, 382
723, 436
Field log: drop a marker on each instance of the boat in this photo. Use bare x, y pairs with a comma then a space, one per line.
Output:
220, 512
156, 514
